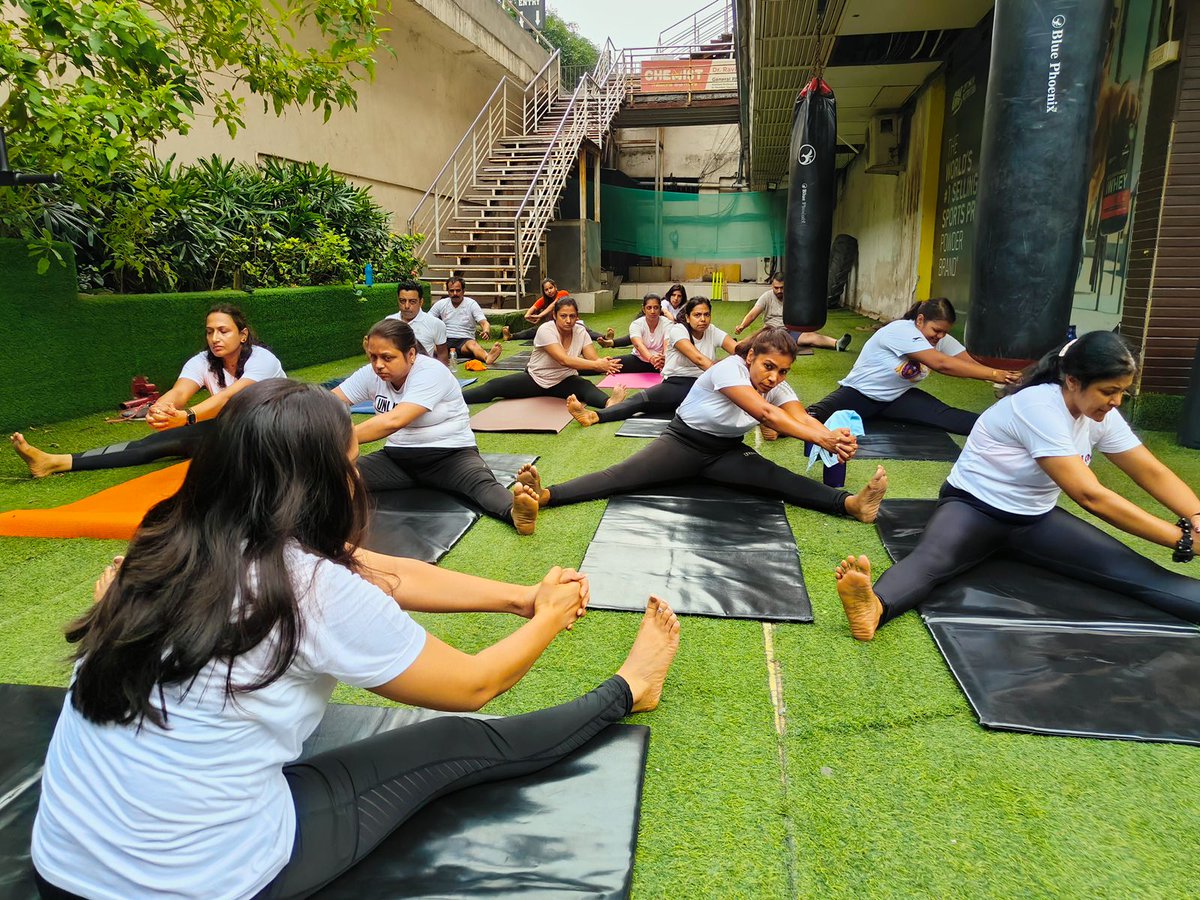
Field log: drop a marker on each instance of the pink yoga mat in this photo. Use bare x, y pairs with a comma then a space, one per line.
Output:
632, 380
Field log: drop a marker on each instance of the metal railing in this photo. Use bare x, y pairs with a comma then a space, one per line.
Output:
512, 109
706, 24
694, 68
524, 22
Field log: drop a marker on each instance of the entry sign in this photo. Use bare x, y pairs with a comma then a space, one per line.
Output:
534, 11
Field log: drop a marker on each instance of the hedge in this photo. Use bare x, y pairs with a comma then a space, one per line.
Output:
66, 355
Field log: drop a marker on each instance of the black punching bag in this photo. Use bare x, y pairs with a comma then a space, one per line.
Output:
810, 208
1042, 93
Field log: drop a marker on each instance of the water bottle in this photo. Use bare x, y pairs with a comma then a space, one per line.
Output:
453, 357
834, 476
369, 275
1072, 333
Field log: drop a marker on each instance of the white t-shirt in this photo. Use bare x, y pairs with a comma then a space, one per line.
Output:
460, 320
542, 368
430, 332
261, 365
774, 307
707, 343
706, 409
202, 807
999, 462
654, 340
430, 385
669, 308
883, 371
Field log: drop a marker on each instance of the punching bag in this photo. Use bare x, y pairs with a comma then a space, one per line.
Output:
1040, 113
809, 208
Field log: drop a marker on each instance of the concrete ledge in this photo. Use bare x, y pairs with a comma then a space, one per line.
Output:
738, 291
593, 301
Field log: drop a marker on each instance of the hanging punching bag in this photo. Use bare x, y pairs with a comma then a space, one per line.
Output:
810, 207
1033, 175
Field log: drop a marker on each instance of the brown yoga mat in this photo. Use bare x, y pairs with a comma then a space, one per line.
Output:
548, 414
114, 513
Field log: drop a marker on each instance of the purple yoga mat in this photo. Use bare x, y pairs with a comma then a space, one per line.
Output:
632, 380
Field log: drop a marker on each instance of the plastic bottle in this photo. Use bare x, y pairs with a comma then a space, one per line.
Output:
369, 274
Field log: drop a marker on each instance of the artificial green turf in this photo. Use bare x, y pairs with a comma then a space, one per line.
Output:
891, 786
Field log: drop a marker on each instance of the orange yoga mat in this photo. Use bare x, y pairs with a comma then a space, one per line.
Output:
113, 513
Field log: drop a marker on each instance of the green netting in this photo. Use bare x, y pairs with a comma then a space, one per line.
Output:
692, 226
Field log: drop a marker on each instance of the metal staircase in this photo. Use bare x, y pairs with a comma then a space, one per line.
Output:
484, 215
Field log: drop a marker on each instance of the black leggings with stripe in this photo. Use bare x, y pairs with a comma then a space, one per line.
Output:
181, 442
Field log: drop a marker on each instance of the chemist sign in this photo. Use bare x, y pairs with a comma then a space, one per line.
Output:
534, 12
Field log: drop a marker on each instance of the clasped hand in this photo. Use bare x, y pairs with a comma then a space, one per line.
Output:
163, 415
562, 597
842, 442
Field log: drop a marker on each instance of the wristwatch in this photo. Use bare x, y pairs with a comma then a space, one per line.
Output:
191, 416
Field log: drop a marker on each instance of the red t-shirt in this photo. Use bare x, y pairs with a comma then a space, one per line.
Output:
542, 302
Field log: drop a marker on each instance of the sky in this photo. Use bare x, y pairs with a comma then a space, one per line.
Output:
630, 23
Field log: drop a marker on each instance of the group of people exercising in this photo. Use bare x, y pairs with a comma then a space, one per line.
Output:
216, 640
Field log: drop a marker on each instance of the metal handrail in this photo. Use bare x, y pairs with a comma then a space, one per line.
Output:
528, 25
719, 12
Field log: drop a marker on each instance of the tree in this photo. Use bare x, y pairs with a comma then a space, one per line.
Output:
92, 84
578, 53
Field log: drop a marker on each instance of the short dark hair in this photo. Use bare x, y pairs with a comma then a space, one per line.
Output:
562, 302
410, 285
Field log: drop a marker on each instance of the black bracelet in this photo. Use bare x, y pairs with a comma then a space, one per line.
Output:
1183, 548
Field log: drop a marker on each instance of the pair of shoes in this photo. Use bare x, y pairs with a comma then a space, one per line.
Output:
843, 343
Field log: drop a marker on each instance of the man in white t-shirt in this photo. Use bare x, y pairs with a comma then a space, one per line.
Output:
429, 330
461, 314
772, 303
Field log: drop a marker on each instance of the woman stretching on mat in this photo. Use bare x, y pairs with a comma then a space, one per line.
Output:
674, 302
233, 361
648, 336
691, 347
543, 311
561, 350
1023, 453
900, 355
216, 643
419, 408
705, 439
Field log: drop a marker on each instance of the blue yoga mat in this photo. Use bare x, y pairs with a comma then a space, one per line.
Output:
366, 408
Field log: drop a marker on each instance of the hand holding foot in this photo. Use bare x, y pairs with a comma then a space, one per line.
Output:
525, 508
580, 413
650, 657
864, 505
863, 609
40, 462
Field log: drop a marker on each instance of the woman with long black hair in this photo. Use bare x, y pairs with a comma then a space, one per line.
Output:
901, 354
705, 440
419, 408
215, 645
691, 346
673, 302
232, 361
562, 350
1025, 451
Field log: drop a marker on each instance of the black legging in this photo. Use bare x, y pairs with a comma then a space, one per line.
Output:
663, 397
914, 405
626, 341
459, 470
962, 534
181, 441
514, 387
634, 363
682, 453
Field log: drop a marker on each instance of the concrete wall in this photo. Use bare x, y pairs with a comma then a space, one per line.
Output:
707, 152
884, 213
449, 56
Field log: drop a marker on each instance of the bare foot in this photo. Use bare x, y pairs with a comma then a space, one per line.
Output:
610, 334
505, 333
40, 462
768, 434
525, 508
604, 342
581, 413
650, 657
494, 353
620, 392
863, 609
864, 505
528, 476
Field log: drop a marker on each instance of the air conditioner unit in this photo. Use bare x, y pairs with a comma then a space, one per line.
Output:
883, 144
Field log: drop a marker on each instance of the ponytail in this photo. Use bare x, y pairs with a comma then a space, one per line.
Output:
1097, 356
771, 339
936, 309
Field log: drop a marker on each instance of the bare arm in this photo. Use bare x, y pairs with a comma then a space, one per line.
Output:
961, 366
755, 311
655, 359
729, 345
1079, 483
442, 353
792, 420
585, 363
1152, 476
381, 425
692, 352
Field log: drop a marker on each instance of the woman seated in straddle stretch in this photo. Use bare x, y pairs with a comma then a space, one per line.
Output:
705, 439
233, 361
419, 408
543, 310
691, 347
1001, 495
674, 301
648, 337
561, 350
883, 381
214, 646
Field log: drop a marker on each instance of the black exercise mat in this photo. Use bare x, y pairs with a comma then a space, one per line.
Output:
569, 829
1037, 651
706, 550
650, 426
515, 363
424, 524
888, 439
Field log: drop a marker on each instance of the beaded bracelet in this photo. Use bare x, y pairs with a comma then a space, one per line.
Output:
1183, 548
